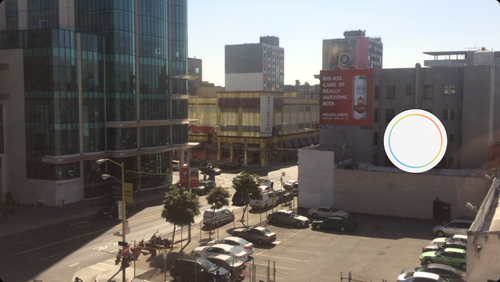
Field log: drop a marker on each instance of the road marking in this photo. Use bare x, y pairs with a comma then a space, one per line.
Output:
100, 268
32, 239
288, 258
287, 268
51, 256
302, 252
74, 264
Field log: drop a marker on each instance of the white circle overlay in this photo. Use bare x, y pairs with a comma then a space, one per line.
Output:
415, 141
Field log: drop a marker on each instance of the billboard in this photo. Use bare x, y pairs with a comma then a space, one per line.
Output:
266, 115
346, 53
346, 97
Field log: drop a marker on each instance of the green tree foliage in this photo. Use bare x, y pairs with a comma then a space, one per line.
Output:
180, 207
218, 197
247, 185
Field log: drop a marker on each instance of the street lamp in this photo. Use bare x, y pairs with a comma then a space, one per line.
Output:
124, 217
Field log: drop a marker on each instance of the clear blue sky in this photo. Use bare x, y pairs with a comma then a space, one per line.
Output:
407, 29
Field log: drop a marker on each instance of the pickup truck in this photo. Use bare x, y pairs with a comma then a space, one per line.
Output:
339, 223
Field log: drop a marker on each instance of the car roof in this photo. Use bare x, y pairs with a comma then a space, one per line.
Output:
455, 250
460, 236
426, 275
233, 238
225, 246
439, 265
220, 256
221, 209
260, 228
284, 211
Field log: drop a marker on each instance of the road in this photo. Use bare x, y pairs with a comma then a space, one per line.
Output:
55, 253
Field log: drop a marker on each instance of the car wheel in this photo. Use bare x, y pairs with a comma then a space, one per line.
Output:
178, 278
440, 233
342, 229
428, 261
299, 224
315, 215
463, 266
260, 242
274, 220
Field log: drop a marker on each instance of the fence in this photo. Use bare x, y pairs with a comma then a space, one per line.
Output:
350, 279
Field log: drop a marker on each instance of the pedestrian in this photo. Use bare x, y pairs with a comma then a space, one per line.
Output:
217, 277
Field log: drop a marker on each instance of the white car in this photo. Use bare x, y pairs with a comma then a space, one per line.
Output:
419, 276
325, 211
224, 249
238, 242
457, 237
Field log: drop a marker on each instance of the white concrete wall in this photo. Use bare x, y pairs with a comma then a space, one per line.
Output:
316, 171
483, 263
244, 81
406, 194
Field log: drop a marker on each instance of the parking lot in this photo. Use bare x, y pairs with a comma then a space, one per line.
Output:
378, 250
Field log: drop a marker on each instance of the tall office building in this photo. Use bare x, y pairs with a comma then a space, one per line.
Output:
82, 80
354, 51
255, 67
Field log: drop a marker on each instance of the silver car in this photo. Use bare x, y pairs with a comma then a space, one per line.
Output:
325, 212
224, 249
238, 242
456, 226
288, 217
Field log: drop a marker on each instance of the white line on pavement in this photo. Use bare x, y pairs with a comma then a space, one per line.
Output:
51, 256
74, 264
287, 268
302, 252
287, 258
100, 268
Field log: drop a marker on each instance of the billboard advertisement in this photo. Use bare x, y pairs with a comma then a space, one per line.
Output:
266, 115
346, 97
346, 53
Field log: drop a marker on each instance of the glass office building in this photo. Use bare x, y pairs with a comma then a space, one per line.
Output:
90, 79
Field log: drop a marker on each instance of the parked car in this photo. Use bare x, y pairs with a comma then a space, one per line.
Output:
195, 162
205, 187
439, 240
420, 277
456, 226
264, 181
226, 164
224, 249
449, 256
235, 266
445, 271
292, 186
241, 243
337, 223
284, 196
217, 171
239, 199
444, 245
259, 235
188, 268
288, 217
325, 211
222, 216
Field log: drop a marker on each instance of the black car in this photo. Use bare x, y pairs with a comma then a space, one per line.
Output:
239, 199
195, 162
228, 262
445, 271
338, 223
109, 212
189, 268
205, 187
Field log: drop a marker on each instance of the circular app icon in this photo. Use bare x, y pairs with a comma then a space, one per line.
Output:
415, 141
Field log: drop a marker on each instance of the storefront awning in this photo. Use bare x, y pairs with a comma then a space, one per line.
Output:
309, 140
295, 142
288, 144
303, 141
316, 139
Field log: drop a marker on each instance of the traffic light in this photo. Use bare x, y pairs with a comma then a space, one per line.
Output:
209, 136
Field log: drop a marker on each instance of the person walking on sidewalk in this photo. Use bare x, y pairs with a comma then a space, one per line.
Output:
217, 277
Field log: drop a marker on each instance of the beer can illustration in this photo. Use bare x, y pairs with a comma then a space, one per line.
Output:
360, 96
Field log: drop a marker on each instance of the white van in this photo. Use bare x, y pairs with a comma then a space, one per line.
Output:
222, 216
265, 200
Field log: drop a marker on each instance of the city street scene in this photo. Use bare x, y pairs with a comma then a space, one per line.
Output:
176, 140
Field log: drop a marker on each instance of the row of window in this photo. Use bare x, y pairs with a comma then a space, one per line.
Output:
449, 89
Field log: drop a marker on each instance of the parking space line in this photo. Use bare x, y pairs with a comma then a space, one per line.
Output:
287, 268
303, 252
301, 260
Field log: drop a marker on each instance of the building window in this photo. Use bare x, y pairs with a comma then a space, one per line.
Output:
428, 91
408, 89
225, 153
448, 114
389, 114
375, 115
391, 91
308, 108
375, 138
449, 89
451, 138
376, 92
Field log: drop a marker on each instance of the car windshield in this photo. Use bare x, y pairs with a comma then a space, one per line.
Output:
334, 209
235, 250
208, 265
266, 231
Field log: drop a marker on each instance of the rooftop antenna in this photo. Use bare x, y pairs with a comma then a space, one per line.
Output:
472, 48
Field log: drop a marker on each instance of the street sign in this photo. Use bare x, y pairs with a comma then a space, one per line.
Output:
125, 251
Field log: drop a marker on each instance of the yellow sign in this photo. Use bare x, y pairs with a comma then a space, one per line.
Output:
129, 192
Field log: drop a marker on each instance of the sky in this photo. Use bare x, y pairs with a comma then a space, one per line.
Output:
407, 29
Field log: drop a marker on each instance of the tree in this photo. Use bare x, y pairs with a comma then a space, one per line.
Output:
180, 207
246, 184
217, 198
